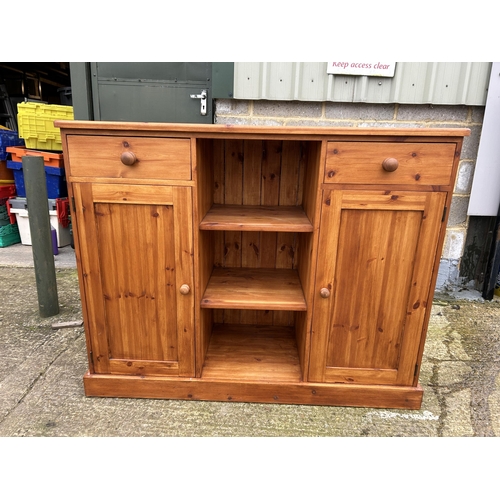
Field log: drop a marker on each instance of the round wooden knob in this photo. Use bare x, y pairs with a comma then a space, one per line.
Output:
128, 158
184, 289
325, 293
390, 164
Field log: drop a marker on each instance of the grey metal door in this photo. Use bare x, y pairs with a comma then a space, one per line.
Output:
179, 92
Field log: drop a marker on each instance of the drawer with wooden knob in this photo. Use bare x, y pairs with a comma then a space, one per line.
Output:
418, 164
129, 157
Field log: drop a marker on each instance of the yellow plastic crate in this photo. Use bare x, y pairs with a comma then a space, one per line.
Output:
36, 124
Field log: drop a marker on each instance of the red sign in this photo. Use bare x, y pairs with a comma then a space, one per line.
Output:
367, 68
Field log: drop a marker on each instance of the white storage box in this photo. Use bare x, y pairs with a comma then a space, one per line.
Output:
23, 223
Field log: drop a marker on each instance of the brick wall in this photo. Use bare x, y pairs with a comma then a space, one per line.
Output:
330, 114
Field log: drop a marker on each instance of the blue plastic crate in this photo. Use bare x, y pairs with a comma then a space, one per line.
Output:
8, 138
54, 176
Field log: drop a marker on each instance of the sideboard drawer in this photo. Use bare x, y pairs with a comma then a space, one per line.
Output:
129, 157
389, 163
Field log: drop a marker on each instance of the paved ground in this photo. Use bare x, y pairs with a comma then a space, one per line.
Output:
41, 392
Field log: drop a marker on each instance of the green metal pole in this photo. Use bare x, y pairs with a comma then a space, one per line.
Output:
41, 240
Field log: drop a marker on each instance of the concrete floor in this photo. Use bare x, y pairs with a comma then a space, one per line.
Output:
41, 394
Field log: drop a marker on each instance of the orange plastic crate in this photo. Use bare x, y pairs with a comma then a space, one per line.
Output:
49, 159
5, 173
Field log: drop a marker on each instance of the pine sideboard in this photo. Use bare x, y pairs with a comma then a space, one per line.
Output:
262, 264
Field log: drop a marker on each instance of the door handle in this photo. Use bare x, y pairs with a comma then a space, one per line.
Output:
203, 99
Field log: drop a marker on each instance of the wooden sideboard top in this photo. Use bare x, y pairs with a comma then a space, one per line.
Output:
216, 129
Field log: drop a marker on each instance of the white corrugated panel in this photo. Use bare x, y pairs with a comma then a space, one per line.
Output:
413, 83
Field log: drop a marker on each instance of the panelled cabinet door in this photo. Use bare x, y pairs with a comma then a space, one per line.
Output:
136, 251
376, 255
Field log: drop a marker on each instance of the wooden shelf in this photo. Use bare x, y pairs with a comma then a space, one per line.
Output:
256, 218
249, 288
247, 352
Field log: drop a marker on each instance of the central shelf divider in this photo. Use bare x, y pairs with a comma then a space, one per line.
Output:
256, 218
259, 289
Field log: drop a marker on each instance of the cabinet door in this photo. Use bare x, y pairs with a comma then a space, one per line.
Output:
376, 257
136, 249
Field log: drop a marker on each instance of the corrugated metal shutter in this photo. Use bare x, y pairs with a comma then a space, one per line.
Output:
413, 83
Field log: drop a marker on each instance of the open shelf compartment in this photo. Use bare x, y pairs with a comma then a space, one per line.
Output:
252, 352
257, 214
245, 288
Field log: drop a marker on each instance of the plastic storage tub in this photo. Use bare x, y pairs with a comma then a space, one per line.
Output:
4, 216
36, 124
6, 175
7, 191
22, 217
55, 179
9, 235
49, 159
8, 138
